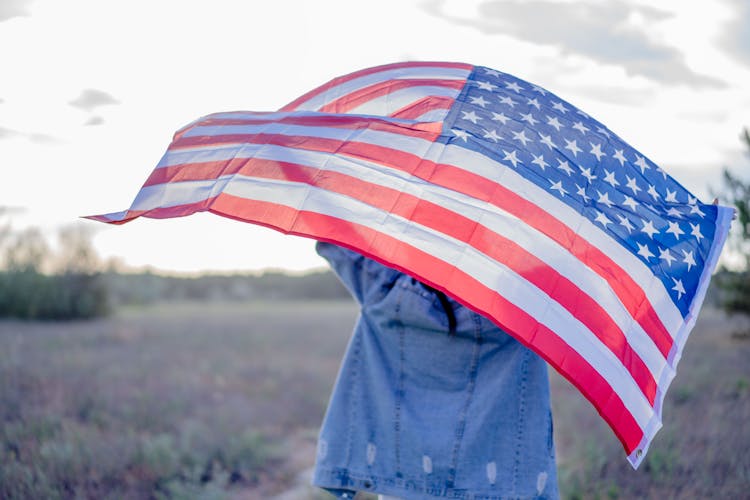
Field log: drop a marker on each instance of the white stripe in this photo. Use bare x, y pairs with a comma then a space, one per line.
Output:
201, 154
389, 103
490, 273
426, 72
433, 115
507, 177
178, 193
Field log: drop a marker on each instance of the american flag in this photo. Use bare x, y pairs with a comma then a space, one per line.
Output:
489, 188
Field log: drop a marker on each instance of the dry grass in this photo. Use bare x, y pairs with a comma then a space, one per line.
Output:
183, 400
223, 401
701, 452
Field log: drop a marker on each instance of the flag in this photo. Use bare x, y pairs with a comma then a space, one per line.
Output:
484, 186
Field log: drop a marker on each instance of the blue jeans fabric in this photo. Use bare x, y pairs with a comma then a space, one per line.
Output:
419, 413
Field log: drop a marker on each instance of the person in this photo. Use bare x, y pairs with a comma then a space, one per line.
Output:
432, 400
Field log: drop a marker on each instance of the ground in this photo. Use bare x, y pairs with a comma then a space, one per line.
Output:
212, 400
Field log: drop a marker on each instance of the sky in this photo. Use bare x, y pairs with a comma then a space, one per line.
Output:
91, 93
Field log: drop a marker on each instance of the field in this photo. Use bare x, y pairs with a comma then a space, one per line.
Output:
223, 400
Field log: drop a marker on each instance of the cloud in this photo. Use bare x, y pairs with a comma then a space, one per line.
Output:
93, 121
6, 132
604, 32
90, 99
13, 8
736, 37
39, 138
35, 137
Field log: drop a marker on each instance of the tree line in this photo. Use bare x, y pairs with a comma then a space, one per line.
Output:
70, 281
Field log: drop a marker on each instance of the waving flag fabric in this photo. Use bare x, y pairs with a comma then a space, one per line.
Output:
489, 188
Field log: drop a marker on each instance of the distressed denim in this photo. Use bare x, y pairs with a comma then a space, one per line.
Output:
418, 412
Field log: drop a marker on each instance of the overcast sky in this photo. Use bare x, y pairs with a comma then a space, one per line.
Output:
91, 92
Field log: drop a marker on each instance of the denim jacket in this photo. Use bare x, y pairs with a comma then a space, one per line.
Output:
432, 400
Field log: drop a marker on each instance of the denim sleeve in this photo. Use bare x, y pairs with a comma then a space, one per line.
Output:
359, 274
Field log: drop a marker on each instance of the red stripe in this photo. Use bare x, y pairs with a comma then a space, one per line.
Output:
361, 96
422, 106
377, 69
473, 185
473, 294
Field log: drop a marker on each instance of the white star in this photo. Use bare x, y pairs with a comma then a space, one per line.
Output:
528, 118
461, 134
671, 196
630, 202
602, 219
673, 212
513, 86
619, 156
633, 185
507, 100
500, 117
560, 107
492, 134
624, 221
547, 141
521, 136
678, 288
533, 102
644, 252
563, 165
586, 172
572, 147
696, 231
539, 89
539, 160
691, 200
581, 191
649, 229
596, 150
603, 131
471, 116
581, 127
511, 157
486, 86
610, 178
689, 259
479, 101
488, 71
557, 186
582, 113
652, 192
695, 209
604, 198
665, 255
641, 162
674, 228
662, 172
552, 120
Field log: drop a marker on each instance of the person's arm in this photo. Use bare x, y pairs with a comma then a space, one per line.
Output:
354, 270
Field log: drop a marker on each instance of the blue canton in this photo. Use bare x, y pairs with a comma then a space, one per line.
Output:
577, 159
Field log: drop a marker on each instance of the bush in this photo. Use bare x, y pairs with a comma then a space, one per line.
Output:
29, 294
